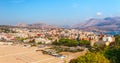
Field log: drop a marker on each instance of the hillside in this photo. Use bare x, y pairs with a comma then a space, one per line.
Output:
105, 24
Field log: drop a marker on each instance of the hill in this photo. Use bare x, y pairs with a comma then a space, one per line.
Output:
105, 24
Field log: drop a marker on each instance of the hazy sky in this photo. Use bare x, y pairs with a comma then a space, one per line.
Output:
58, 12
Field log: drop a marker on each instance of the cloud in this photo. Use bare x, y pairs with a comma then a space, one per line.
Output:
75, 5
99, 14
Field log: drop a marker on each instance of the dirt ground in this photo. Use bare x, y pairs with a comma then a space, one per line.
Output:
20, 54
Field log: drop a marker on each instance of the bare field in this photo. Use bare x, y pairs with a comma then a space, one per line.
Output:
19, 54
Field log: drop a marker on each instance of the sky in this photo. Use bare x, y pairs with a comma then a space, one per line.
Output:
58, 12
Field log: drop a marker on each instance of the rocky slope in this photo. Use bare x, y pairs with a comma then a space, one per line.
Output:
106, 24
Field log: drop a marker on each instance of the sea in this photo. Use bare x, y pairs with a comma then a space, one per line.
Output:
113, 32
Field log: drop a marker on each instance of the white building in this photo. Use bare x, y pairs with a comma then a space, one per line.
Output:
42, 40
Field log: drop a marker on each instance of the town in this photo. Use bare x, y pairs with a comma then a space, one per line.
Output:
55, 42
59, 31
25, 35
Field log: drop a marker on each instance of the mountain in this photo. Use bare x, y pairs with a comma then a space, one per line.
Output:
105, 24
21, 25
37, 25
42, 26
93, 24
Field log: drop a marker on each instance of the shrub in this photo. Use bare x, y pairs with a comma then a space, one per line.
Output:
39, 43
113, 55
84, 42
91, 58
66, 42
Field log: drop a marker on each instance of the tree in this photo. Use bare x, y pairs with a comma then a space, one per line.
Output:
39, 43
84, 42
55, 42
117, 39
113, 54
20, 39
32, 41
91, 58
66, 42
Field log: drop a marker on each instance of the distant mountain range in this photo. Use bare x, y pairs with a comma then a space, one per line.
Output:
93, 24
37, 25
105, 24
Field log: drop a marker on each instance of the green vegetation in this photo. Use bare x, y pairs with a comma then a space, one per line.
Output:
32, 41
66, 49
20, 39
49, 38
39, 43
58, 49
91, 58
71, 42
117, 40
66, 42
113, 54
33, 44
98, 48
101, 54
84, 42
5, 30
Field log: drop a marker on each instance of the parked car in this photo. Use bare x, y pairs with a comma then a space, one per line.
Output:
58, 55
